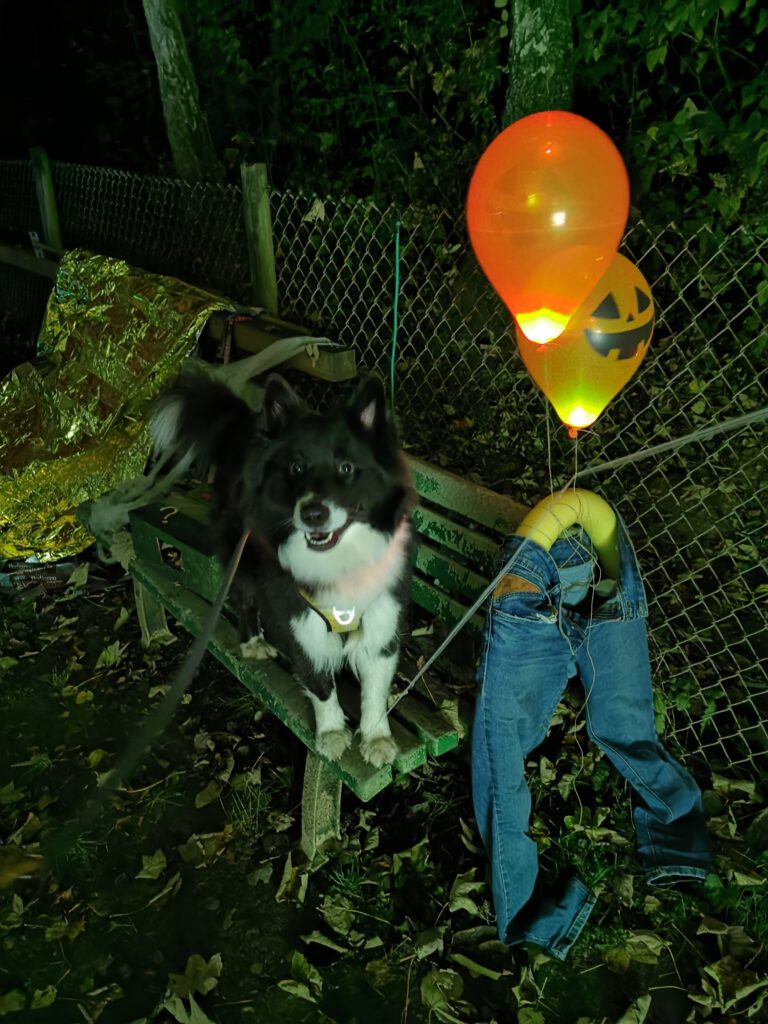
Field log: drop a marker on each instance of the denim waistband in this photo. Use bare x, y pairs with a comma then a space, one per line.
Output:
573, 556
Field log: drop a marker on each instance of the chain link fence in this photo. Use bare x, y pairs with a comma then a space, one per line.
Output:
697, 514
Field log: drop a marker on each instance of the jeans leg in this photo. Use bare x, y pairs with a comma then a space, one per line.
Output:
671, 829
522, 675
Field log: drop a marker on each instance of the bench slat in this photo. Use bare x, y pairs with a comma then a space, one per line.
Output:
478, 549
442, 605
457, 711
496, 511
450, 574
436, 732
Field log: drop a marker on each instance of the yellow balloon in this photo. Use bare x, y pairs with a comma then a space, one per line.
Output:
584, 368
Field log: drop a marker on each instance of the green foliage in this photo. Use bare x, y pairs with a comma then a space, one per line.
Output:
682, 85
397, 100
389, 100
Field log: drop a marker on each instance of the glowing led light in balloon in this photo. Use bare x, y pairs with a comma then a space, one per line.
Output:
546, 209
583, 369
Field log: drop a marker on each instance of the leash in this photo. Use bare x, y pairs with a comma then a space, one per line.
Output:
476, 604
154, 724
458, 626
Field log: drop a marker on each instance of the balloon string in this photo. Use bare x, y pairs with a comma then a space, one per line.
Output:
549, 446
575, 460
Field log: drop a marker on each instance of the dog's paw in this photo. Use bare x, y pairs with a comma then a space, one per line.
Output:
333, 744
257, 649
379, 750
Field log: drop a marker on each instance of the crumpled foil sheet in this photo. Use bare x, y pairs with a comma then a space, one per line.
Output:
73, 424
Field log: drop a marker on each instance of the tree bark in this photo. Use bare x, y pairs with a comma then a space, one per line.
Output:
540, 62
194, 157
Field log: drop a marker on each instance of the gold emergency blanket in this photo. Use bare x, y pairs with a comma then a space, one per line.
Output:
73, 425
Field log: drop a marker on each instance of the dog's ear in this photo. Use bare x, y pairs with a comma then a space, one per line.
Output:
280, 403
368, 404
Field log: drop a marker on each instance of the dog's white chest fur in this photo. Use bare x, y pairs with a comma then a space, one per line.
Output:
372, 566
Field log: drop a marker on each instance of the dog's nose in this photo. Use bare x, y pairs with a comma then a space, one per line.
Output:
314, 514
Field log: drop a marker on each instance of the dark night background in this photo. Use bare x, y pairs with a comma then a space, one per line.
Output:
79, 80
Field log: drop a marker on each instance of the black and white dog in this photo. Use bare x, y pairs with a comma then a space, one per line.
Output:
325, 574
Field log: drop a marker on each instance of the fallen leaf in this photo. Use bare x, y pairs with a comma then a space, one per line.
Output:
153, 865
463, 886
210, 793
15, 863
43, 997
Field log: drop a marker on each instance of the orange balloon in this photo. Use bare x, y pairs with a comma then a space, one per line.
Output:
546, 209
583, 369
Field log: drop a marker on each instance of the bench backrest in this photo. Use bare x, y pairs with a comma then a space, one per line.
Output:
461, 525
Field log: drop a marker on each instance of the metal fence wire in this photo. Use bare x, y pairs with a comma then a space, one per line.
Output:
697, 514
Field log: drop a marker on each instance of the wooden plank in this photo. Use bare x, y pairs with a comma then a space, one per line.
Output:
411, 751
273, 686
436, 733
454, 709
258, 333
25, 259
174, 527
200, 571
444, 607
480, 551
46, 196
439, 486
258, 231
451, 575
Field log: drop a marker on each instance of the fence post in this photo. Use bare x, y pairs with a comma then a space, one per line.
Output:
258, 233
46, 197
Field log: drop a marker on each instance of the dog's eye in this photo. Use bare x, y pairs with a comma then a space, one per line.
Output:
346, 468
295, 468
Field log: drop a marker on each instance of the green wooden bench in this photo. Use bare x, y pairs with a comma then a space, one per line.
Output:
459, 525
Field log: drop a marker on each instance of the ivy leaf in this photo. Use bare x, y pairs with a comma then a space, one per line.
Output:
79, 577
655, 56
194, 1015
527, 1015
297, 989
199, 976
338, 913
429, 941
293, 884
153, 865
438, 988
637, 1012
323, 940
111, 655
463, 886
303, 971
12, 1002
43, 997
9, 794
210, 793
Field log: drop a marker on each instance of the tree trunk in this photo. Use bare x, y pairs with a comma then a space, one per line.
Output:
540, 62
191, 146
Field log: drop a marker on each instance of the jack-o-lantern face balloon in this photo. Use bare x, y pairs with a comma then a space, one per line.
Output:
585, 368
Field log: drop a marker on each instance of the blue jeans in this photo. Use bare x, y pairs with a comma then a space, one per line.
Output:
548, 621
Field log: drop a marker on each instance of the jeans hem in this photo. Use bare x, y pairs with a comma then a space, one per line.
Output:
560, 947
668, 874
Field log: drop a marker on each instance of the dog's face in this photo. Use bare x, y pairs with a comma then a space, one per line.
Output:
333, 489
